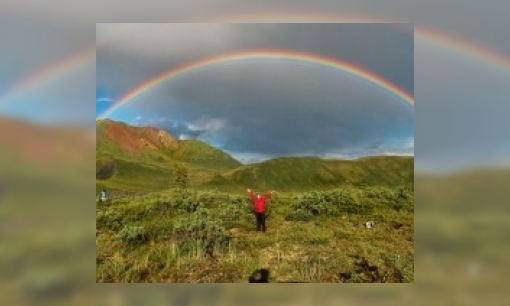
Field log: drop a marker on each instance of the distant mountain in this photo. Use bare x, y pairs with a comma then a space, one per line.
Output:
146, 158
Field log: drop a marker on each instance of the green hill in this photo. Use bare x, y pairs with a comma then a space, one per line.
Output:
310, 173
145, 159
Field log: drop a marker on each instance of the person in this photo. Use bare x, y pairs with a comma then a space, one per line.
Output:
259, 204
104, 195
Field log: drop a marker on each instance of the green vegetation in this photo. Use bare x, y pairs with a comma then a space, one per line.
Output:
206, 236
202, 155
146, 159
179, 214
186, 217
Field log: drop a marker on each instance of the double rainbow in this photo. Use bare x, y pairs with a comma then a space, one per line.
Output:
462, 46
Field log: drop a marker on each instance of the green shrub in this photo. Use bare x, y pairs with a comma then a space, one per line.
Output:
109, 219
201, 232
159, 230
401, 198
310, 205
234, 213
133, 235
350, 200
299, 215
330, 203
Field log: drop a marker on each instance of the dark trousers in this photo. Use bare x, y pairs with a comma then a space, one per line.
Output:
261, 221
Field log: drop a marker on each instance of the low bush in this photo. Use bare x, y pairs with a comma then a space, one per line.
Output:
133, 235
201, 233
109, 219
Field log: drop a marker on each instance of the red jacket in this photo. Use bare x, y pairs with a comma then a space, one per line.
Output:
259, 204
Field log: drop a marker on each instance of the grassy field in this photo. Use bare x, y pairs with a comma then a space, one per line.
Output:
206, 236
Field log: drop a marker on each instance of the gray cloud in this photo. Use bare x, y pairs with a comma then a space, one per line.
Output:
154, 48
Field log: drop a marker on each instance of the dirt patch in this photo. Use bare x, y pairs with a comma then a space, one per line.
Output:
125, 137
364, 272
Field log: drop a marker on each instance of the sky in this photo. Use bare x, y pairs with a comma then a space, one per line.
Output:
462, 91
263, 108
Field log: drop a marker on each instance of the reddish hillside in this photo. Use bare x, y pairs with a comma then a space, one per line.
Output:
135, 140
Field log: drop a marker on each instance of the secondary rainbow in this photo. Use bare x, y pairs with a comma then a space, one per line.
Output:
50, 72
261, 54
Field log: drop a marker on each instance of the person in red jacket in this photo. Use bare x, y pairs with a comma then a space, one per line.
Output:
259, 204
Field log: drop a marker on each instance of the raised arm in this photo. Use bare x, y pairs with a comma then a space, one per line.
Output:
269, 194
252, 195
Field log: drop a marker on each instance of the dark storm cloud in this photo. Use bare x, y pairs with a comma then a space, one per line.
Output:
384, 49
283, 109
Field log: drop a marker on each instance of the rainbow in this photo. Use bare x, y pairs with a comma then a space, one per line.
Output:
481, 53
261, 54
54, 70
